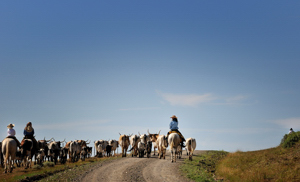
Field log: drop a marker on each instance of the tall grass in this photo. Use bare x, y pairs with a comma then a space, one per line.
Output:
281, 163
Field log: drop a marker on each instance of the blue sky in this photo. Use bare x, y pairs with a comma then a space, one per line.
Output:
93, 69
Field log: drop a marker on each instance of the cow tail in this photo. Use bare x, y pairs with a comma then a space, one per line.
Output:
190, 142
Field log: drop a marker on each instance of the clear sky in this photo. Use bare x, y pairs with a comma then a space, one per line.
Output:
229, 70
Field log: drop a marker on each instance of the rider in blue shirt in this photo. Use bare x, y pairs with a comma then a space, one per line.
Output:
174, 127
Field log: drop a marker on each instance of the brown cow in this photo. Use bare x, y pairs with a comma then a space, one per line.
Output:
153, 138
124, 143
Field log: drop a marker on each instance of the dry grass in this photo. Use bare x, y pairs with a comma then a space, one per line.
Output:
19, 173
275, 164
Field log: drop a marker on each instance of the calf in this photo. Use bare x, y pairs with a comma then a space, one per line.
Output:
190, 147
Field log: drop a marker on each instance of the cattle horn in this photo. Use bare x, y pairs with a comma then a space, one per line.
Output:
139, 134
49, 140
119, 133
159, 132
148, 131
89, 142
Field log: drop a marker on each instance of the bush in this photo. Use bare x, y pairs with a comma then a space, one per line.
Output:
49, 164
289, 140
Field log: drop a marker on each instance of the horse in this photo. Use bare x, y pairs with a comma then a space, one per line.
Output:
27, 152
9, 149
174, 141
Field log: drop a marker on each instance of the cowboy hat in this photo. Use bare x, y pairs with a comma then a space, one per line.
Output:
10, 125
173, 116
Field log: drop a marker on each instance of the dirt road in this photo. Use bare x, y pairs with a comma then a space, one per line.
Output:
136, 169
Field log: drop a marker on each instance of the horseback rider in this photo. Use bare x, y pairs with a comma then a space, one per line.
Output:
28, 134
174, 128
11, 133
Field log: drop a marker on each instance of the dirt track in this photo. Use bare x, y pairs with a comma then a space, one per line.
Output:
137, 169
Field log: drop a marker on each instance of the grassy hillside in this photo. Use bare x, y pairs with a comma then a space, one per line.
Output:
275, 164
281, 163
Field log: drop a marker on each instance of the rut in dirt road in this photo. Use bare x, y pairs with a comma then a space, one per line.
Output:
136, 169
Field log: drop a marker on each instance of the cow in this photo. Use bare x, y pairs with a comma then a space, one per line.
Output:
153, 138
83, 153
99, 150
43, 144
82, 143
124, 143
148, 148
162, 144
141, 149
54, 150
134, 140
89, 151
19, 158
63, 155
9, 149
74, 151
40, 156
114, 145
108, 150
174, 141
190, 147
103, 143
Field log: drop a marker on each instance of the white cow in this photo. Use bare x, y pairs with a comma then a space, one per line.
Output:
162, 145
190, 147
174, 141
103, 143
40, 156
134, 140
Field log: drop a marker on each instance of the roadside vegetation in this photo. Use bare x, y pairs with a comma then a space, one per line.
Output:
51, 172
281, 163
203, 166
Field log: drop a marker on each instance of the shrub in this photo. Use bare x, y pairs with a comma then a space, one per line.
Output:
49, 164
289, 140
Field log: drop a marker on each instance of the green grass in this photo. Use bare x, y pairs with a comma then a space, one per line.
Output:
289, 140
203, 166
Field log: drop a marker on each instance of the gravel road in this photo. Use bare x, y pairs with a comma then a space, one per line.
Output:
136, 169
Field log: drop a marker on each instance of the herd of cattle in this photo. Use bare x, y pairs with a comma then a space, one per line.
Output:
59, 151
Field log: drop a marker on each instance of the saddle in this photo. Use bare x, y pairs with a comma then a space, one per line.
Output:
180, 135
